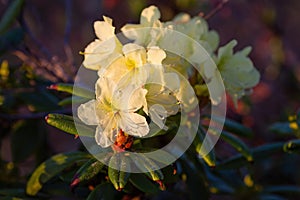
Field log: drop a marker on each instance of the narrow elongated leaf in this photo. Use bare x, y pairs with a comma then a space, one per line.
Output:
282, 128
10, 15
141, 182
118, 174
87, 171
52, 167
124, 174
12, 192
102, 191
292, 146
235, 127
12, 198
164, 157
288, 189
220, 185
66, 123
271, 197
146, 164
258, 153
40, 100
210, 157
238, 144
69, 88
196, 182
73, 99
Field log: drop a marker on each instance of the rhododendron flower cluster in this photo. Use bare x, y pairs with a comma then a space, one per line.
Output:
140, 79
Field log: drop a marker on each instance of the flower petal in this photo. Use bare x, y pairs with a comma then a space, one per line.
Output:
104, 29
134, 124
130, 98
149, 15
102, 138
158, 115
135, 55
155, 55
100, 54
115, 71
87, 113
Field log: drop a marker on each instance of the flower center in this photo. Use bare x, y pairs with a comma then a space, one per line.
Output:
123, 140
130, 63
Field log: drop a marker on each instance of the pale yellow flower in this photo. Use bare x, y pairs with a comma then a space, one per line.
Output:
237, 70
105, 49
114, 109
140, 33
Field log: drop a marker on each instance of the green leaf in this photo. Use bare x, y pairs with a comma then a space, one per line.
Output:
271, 197
258, 153
87, 171
41, 100
196, 182
287, 189
238, 144
141, 182
67, 123
11, 13
292, 146
102, 191
210, 157
56, 188
119, 165
73, 99
52, 167
219, 184
282, 128
235, 127
12, 198
146, 164
69, 88
12, 192
170, 174
164, 157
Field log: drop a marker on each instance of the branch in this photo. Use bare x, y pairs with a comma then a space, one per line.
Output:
215, 10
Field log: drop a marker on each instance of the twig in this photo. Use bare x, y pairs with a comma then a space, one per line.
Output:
47, 62
41, 65
215, 10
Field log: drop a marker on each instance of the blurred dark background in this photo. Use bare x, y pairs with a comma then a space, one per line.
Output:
59, 30
271, 27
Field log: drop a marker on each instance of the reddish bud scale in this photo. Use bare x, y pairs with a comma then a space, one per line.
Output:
75, 182
117, 148
53, 87
123, 142
91, 187
161, 185
174, 171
